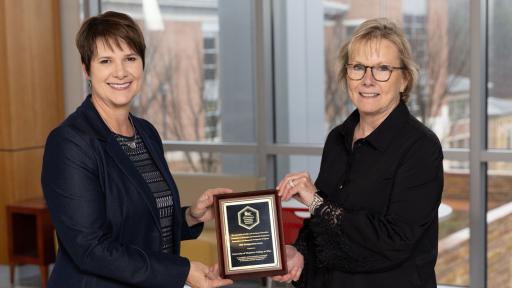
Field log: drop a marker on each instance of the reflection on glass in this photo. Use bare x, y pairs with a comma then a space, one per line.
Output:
453, 259
499, 224
180, 95
211, 162
439, 38
499, 101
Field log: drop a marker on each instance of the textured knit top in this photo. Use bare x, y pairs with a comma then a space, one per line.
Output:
140, 157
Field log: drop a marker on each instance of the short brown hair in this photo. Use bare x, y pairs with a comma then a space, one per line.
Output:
109, 27
378, 29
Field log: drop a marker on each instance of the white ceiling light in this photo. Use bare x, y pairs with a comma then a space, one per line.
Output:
152, 16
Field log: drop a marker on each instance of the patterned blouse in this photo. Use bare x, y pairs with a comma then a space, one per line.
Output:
136, 150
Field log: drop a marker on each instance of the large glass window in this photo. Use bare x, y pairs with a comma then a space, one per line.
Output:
499, 136
190, 46
439, 38
187, 53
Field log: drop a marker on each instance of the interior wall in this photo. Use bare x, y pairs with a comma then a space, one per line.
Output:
31, 97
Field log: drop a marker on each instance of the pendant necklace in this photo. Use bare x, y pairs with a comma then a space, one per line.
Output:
131, 143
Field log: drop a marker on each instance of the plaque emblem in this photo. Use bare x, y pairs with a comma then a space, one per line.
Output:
248, 217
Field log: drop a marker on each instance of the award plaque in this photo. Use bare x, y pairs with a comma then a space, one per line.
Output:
250, 239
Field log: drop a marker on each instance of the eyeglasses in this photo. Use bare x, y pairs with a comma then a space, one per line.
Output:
380, 73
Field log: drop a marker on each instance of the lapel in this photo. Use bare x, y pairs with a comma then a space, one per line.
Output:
124, 163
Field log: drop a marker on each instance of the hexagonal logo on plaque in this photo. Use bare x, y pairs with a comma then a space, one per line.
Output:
248, 217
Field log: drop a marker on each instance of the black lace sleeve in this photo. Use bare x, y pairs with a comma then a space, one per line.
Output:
330, 246
330, 213
333, 248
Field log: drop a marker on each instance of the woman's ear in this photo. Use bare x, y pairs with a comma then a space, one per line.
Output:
405, 81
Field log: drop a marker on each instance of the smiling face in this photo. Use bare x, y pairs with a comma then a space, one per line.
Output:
373, 98
115, 74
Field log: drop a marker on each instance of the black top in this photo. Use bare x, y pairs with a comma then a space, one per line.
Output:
378, 226
142, 160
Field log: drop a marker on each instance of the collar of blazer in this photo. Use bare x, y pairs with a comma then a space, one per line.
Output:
150, 138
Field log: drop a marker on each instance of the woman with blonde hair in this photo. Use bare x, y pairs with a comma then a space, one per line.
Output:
374, 204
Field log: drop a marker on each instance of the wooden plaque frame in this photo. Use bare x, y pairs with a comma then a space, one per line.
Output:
250, 242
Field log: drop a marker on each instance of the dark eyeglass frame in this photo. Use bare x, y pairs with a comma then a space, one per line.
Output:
391, 69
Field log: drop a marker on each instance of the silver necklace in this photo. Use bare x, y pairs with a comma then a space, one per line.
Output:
132, 143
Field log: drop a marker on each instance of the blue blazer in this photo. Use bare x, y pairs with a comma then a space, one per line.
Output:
104, 212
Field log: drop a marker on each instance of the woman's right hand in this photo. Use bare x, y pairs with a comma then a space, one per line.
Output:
202, 276
298, 185
202, 210
295, 264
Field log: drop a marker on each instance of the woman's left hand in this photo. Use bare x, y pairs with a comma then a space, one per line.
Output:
298, 185
202, 210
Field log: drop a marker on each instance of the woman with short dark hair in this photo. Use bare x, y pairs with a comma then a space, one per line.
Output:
109, 190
